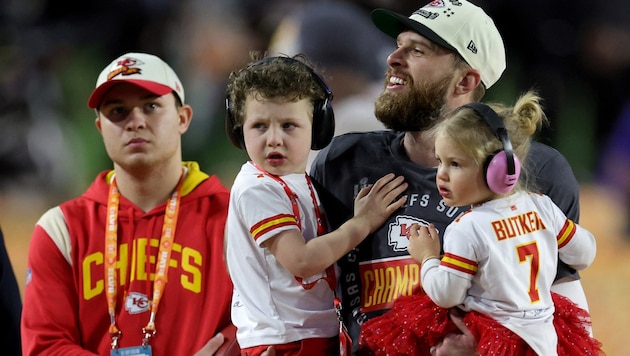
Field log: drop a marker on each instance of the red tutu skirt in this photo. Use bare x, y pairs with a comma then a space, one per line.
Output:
415, 324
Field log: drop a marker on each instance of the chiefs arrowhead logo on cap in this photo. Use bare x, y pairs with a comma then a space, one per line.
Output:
125, 67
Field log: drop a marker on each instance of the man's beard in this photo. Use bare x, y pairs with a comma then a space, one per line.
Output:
416, 109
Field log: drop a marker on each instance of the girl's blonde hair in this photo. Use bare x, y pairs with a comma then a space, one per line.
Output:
470, 133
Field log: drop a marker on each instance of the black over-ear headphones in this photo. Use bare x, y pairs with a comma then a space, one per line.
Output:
501, 169
323, 115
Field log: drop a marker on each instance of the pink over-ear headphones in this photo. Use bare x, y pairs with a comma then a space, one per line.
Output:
501, 169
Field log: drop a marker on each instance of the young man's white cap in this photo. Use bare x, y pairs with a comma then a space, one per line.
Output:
142, 69
457, 25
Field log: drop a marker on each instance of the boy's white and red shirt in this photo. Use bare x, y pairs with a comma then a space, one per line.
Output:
269, 305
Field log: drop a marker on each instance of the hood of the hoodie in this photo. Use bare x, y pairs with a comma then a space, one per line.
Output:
99, 189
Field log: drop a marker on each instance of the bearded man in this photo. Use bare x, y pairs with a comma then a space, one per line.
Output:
441, 62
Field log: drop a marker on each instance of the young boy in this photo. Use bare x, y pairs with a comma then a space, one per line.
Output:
280, 254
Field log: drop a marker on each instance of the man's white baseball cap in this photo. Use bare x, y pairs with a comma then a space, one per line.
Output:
142, 69
457, 25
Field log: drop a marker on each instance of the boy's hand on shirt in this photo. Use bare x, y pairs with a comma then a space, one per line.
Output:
375, 203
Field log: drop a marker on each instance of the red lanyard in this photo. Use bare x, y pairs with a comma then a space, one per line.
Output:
164, 255
330, 271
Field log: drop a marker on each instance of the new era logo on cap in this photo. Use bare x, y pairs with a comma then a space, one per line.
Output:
144, 70
457, 25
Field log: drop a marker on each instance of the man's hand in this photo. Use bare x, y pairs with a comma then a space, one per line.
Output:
215, 343
222, 344
463, 344
211, 346
270, 352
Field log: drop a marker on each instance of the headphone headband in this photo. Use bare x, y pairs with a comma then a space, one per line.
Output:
502, 168
496, 124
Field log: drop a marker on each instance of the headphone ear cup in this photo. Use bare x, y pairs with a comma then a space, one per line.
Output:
496, 173
323, 124
235, 135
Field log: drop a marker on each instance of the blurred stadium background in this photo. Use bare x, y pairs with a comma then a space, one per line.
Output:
577, 54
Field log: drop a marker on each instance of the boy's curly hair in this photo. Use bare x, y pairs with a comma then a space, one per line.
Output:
292, 78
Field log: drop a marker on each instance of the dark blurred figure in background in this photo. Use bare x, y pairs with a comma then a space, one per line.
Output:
613, 171
606, 49
605, 57
10, 305
340, 40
